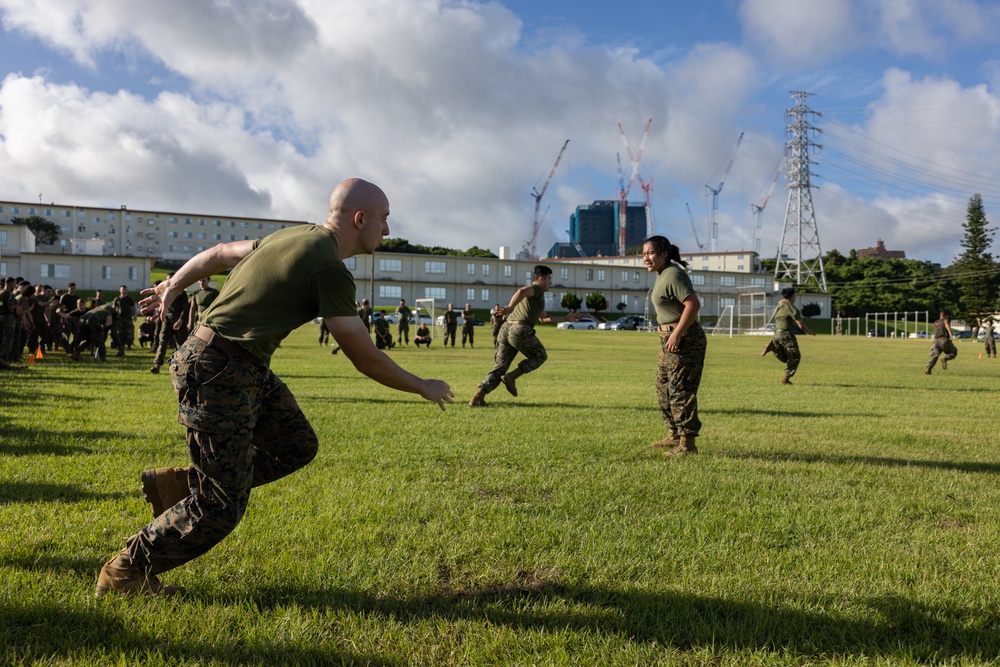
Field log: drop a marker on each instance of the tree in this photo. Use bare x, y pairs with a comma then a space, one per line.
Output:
46, 233
596, 302
976, 276
571, 302
811, 310
621, 307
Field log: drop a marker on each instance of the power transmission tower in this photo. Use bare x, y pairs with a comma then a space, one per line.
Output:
799, 254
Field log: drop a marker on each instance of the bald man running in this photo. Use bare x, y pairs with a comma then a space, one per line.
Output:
244, 427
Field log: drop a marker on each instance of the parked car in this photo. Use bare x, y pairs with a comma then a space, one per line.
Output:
766, 330
982, 334
426, 319
628, 322
919, 334
961, 334
585, 322
876, 333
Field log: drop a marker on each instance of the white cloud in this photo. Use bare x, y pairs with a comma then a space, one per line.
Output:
798, 34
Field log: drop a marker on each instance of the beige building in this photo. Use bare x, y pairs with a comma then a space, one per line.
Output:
134, 233
99, 248
20, 257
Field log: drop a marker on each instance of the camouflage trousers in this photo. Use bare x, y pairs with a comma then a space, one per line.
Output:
8, 334
941, 346
511, 339
244, 429
678, 375
786, 349
990, 346
168, 336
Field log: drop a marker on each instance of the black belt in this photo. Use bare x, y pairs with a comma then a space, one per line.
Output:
229, 347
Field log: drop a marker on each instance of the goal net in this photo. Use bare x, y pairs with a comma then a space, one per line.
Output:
425, 308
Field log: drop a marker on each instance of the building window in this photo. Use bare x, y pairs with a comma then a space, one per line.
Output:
133, 273
172, 234
202, 235
508, 271
697, 279
105, 272
624, 276
3, 265
727, 301
258, 226
435, 267
55, 270
589, 274
15, 209
624, 299
739, 267
217, 223
232, 237
435, 293
172, 248
187, 235
172, 220
201, 222
351, 263
486, 270
564, 273
740, 256
393, 265
217, 237
232, 223
470, 294
245, 225
3, 239
635, 277
471, 268
187, 221
600, 275
82, 229
390, 292
484, 295
758, 282
728, 281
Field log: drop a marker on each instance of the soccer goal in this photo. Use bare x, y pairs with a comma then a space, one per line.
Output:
425, 307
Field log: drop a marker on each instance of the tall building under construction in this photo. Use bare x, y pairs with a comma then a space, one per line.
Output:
594, 230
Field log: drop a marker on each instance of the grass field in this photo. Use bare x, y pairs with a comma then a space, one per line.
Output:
850, 519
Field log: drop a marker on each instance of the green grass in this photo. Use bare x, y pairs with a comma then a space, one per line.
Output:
850, 519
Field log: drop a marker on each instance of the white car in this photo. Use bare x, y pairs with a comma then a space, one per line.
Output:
425, 319
585, 322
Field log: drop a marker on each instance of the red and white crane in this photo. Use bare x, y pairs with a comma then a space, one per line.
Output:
623, 187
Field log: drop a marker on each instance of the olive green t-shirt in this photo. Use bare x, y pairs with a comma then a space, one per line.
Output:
289, 278
671, 287
785, 316
529, 309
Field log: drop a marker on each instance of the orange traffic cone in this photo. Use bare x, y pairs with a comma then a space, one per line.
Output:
980, 355
31, 358
38, 355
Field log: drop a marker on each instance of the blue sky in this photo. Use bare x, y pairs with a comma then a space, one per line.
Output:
459, 108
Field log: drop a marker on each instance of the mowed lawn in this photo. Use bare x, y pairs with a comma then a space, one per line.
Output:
849, 519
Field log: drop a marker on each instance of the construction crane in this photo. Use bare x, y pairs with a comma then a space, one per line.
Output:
694, 229
647, 186
529, 245
715, 192
758, 211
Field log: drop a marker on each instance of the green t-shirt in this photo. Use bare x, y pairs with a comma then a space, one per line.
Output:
404, 313
204, 298
468, 317
671, 287
529, 309
785, 316
289, 278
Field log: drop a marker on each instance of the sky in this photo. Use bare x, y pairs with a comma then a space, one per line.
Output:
458, 109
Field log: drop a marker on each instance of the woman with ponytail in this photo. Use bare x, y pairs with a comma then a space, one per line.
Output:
682, 345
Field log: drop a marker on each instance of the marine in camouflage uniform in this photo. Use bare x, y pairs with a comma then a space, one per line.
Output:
942, 344
123, 332
244, 427
173, 328
449, 322
468, 325
403, 314
784, 344
517, 334
988, 341
682, 346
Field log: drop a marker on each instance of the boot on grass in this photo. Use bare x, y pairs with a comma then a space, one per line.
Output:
669, 442
684, 447
508, 380
120, 577
164, 488
477, 399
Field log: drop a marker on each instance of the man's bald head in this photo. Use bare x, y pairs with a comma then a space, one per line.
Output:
353, 195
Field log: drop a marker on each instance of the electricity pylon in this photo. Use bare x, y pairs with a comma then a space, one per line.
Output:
799, 254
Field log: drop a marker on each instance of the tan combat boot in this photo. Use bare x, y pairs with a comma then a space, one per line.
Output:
786, 379
164, 488
119, 576
477, 399
685, 446
669, 442
508, 380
